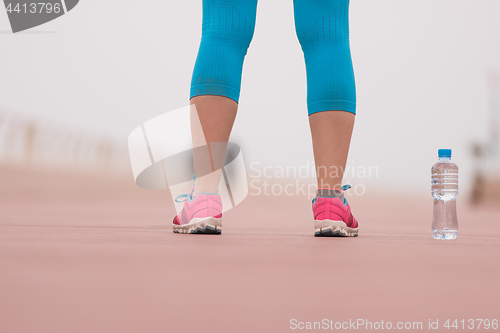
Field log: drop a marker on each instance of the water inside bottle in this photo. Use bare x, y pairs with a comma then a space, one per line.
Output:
445, 191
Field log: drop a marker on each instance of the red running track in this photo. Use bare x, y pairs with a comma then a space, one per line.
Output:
80, 255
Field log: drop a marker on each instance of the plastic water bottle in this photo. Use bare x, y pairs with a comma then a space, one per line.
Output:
445, 191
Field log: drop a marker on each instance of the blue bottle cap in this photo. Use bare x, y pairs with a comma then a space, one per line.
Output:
444, 152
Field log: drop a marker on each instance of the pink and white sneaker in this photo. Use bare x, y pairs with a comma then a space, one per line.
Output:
332, 214
201, 214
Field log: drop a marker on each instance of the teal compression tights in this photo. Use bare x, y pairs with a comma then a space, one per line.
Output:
322, 27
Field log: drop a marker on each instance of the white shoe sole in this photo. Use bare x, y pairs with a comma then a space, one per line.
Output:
329, 228
205, 225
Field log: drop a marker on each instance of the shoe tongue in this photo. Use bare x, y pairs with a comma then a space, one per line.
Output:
328, 193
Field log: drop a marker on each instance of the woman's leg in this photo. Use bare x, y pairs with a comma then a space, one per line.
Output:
331, 135
216, 115
228, 27
322, 28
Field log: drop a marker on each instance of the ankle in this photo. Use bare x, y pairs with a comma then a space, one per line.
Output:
204, 190
330, 184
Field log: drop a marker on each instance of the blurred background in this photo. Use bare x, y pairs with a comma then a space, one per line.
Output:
427, 78
82, 248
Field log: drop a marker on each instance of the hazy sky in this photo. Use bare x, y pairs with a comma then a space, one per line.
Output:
109, 65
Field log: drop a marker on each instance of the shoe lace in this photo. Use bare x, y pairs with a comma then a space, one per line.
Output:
188, 196
346, 187
185, 196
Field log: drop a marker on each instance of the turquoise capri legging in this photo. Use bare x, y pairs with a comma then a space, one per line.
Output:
322, 27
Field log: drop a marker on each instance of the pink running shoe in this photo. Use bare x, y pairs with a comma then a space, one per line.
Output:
332, 214
200, 215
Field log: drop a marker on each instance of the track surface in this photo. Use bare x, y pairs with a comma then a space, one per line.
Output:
80, 257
